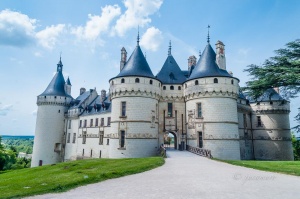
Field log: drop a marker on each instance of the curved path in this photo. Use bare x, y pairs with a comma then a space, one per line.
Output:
188, 176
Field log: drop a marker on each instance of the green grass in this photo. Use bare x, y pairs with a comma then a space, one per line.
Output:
67, 175
286, 167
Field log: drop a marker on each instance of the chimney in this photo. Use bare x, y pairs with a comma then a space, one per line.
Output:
103, 95
191, 61
123, 58
277, 89
82, 90
220, 57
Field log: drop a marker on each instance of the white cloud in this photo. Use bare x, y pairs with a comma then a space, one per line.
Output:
96, 25
37, 54
137, 14
152, 39
34, 112
5, 109
48, 37
16, 29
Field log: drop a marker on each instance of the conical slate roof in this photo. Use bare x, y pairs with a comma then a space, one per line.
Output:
269, 95
68, 82
136, 65
56, 86
207, 67
170, 72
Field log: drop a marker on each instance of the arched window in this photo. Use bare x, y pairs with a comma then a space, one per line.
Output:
196, 82
185, 85
171, 87
159, 84
122, 80
215, 80
164, 87
179, 87
151, 82
112, 82
232, 81
137, 80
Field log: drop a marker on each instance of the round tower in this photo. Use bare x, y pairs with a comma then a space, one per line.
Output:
50, 124
271, 127
211, 108
134, 96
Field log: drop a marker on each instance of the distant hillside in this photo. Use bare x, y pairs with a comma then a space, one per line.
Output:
21, 137
18, 143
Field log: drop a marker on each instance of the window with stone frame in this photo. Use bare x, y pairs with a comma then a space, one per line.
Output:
97, 122
245, 120
199, 110
122, 139
101, 135
170, 110
259, 122
200, 144
84, 137
102, 122
123, 109
91, 122
107, 142
85, 122
69, 127
108, 121
74, 137
69, 137
80, 123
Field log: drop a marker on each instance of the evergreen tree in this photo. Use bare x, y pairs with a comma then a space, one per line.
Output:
282, 71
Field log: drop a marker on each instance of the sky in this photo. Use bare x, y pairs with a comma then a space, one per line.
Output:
89, 35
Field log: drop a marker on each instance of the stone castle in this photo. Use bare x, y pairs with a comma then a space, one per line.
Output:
202, 107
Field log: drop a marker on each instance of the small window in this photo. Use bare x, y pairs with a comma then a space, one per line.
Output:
137, 80
84, 137
179, 87
107, 142
185, 85
271, 103
74, 137
112, 82
69, 138
122, 80
259, 123
97, 122
82, 152
258, 103
215, 80
69, 124
151, 82
200, 139
170, 109
232, 81
171, 87
245, 120
80, 123
122, 139
45, 97
85, 121
164, 87
123, 109
108, 121
102, 122
91, 152
199, 110
101, 135
91, 122
54, 97
158, 84
58, 111
196, 82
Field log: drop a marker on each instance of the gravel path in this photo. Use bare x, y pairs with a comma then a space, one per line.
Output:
188, 176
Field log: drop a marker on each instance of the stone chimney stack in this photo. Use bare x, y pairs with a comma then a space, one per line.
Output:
220, 57
82, 90
123, 58
192, 60
103, 95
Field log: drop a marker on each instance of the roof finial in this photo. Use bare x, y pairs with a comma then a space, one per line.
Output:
170, 47
59, 65
208, 39
138, 36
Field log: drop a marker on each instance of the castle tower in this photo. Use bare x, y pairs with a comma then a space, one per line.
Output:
220, 59
49, 130
68, 86
271, 127
123, 58
211, 108
134, 96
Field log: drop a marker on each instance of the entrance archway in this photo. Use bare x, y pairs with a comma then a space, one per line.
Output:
170, 140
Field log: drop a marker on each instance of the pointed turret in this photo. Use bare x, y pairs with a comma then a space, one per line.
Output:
68, 86
170, 72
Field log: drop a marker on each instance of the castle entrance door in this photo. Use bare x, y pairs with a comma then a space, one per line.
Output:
170, 140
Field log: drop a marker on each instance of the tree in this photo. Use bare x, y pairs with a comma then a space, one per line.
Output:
281, 71
296, 147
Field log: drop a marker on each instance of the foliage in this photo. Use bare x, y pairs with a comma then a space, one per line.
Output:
67, 175
19, 144
296, 147
287, 167
282, 71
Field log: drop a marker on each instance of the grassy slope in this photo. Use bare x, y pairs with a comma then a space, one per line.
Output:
286, 167
64, 176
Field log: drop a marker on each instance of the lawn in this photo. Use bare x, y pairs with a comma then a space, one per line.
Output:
286, 167
67, 175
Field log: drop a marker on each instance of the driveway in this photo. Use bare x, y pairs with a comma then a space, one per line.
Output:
186, 175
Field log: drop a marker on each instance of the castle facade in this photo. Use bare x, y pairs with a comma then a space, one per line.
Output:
202, 107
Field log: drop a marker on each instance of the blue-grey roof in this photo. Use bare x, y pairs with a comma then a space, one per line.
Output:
207, 67
136, 65
56, 86
68, 82
170, 72
98, 106
269, 95
241, 95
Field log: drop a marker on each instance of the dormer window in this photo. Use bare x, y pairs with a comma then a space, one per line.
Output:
179, 87
196, 82
122, 80
164, 87
215, 80
137, 80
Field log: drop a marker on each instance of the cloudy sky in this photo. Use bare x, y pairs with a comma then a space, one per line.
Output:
90, 34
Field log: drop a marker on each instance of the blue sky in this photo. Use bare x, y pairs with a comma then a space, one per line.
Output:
91, 33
